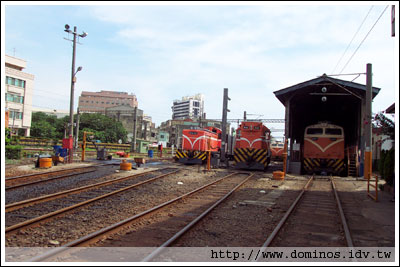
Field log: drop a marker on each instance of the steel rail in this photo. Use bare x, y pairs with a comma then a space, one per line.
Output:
48, 179
114, 228
192, 223
32, 201
342, 217
46, 217
284, 218
41, 173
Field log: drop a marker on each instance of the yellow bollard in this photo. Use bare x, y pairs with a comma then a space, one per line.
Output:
367, 164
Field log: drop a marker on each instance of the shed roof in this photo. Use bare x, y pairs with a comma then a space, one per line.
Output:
390, 109
284, 93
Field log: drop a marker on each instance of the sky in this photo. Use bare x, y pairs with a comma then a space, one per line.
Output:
163, 51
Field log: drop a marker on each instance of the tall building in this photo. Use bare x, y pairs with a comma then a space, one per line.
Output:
189, 107
97, 102
19, 91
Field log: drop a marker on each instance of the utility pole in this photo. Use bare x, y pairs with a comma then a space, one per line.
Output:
225, 111
133, 144
244, 116
77, 129
368, 126
73, 80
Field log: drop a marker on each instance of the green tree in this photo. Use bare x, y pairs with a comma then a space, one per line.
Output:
43, 129
385, 124
43, 125
105, 129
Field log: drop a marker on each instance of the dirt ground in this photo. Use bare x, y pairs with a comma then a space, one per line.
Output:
250, 214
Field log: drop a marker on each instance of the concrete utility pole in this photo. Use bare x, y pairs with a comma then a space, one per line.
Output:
225, 111
368, 126
73, 80
133, 144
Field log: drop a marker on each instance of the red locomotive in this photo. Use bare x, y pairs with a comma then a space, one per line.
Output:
252, 148
277, 150
196, 143
323, 149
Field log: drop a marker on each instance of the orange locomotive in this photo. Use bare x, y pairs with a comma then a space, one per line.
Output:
277, 151
196, 143
323, 149
252, 147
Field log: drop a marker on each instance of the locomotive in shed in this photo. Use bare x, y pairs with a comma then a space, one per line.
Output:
277, 150
324, 149
196, 143
252, 147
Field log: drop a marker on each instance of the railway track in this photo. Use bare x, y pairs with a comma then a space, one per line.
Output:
163, 224
28, 213
315, 219
31, 179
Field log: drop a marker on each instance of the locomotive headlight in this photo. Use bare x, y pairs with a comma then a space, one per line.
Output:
323, 89
324, 98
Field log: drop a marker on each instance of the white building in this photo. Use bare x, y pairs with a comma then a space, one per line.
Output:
19, 91
59, 113
189, 107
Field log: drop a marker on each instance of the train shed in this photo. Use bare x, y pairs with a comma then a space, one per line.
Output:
324, 99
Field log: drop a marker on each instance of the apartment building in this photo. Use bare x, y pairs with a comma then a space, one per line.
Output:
18, 98
97, 102
189, 107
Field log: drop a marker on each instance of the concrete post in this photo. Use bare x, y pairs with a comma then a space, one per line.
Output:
225, 111
368, 127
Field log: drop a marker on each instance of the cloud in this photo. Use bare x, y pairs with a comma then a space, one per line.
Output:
162, 53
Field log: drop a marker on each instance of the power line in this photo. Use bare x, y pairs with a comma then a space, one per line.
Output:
362, 23
363, 40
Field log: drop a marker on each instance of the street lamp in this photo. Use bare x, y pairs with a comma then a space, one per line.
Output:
73, 80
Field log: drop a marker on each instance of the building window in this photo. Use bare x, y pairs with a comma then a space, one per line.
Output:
14, 98
15, 82
17, 114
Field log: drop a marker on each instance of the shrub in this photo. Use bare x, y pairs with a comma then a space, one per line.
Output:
13, 152
382, 162
8, 136
388, 167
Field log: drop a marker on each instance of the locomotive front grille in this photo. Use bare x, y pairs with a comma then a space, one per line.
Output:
251, 155
316, 164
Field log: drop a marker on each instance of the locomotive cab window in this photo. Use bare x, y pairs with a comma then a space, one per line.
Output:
256, 127
193, 133
314, 131
245, 127
333, 131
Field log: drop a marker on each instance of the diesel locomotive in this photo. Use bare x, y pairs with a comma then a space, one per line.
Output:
252, 148
324, 149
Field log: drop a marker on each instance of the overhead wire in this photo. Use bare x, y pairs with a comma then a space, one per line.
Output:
364, 39
362, 23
